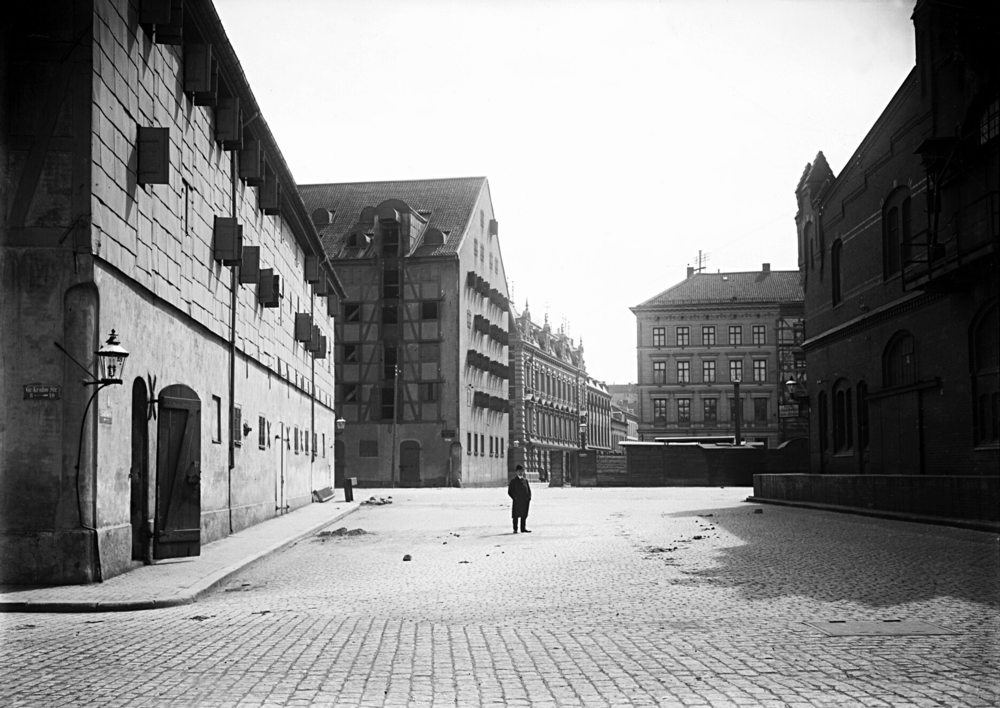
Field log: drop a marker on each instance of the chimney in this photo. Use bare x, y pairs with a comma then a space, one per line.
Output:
690, 271
767, 267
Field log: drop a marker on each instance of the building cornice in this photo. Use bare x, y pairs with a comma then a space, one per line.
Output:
867, 320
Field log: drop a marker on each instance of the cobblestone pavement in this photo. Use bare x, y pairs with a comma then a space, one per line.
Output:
620, 597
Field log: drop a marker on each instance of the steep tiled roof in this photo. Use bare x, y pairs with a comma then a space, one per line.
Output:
755, 286
450, 203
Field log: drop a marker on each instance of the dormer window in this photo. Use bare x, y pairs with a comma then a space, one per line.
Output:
390, 240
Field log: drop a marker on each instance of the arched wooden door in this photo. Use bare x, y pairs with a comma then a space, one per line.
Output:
177, 532
139, 472
409, 463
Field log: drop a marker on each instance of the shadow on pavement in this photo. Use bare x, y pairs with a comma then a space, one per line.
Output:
831, 557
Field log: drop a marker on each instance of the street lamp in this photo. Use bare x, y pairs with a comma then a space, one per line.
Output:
340, 424
110, 362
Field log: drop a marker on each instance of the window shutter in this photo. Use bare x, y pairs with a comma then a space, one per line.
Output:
228, 240
238, 426
253, 163
209, 97
154, 12
270, 195
250, 265
228, 123
154, 156
303, 327
312, 269
197, 68
172, 32
269, 288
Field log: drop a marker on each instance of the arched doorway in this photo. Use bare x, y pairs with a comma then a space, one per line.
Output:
139, 473
409, 463
177, 532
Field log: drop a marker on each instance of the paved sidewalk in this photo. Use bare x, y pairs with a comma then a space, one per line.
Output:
179, 581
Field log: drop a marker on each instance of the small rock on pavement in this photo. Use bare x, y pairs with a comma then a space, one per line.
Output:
758, 511
407, 557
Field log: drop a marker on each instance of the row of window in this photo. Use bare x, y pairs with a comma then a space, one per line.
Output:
708, 371
682, 335
475, 444
555, 427
900, 370
710, 410
550, 384
429, 310
300, 440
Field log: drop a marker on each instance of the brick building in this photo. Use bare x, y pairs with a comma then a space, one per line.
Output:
548, 394
144, 194
898, 258
711, 330
422, 353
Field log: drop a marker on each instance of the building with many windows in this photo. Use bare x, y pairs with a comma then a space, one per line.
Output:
422, 336
898, 257
624, 427
701, 337
548, 397
144, 197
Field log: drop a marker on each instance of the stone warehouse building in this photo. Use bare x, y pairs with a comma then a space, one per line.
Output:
898, 254
700, 337
144, 194
548, 395
421, 359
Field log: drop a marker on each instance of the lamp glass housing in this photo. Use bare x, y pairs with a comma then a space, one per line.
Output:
111, 360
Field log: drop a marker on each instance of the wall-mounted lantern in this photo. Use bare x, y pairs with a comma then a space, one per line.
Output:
110, 361
340, 424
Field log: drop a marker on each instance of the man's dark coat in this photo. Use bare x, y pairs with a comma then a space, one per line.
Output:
520, 491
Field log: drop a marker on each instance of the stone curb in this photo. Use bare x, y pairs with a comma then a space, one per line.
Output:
969, 524
184, 597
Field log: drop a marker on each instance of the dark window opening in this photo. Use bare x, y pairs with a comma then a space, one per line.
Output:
429, 309
352, 312
390, 284
388, 403
390, 240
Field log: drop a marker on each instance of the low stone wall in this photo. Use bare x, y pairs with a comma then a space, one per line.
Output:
948, 497
661, 465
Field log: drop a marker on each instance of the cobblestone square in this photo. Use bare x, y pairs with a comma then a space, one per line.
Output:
619, 597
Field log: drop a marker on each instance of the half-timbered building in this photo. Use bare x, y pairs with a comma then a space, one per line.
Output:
422, 335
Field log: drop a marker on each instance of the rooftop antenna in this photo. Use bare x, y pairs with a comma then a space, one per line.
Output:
701, 261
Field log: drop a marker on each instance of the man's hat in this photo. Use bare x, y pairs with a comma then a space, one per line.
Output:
518, 467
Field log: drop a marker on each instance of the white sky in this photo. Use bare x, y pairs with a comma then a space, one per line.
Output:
619, 137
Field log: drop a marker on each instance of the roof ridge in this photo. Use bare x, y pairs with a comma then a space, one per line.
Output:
393, 181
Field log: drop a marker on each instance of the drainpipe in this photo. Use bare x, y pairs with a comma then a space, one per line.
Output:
312, 394
232, 353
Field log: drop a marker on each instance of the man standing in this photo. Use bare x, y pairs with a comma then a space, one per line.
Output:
520, 491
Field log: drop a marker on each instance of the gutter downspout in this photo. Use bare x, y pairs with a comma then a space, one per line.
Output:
232, 353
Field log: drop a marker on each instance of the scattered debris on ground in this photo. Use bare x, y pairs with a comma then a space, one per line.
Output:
242, 587
758, 511
201, 618
407, 557
463, 561
342, 531
378, 501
